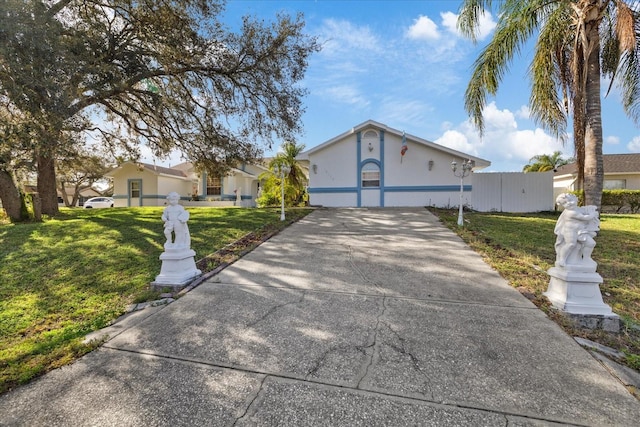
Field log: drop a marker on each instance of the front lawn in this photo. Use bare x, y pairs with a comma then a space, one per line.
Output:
76, 273
521, 248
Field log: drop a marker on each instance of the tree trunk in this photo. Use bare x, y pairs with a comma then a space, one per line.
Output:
579, 112
47, 184
10, 196
63, 193
593, 164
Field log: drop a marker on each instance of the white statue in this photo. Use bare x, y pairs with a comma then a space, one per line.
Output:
175, 219
576, 228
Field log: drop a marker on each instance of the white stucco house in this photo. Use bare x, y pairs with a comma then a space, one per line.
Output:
373, 165
143, 184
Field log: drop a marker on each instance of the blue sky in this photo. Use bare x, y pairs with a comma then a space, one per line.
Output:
402, 63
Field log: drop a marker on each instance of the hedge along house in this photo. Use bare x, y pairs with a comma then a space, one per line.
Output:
142, 184
373, 165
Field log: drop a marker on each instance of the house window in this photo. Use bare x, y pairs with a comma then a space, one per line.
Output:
134, 189
214, 186
615, 184
370, 134
370, 175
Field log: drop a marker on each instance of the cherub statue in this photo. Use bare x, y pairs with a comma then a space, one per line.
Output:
575, 230
175, 219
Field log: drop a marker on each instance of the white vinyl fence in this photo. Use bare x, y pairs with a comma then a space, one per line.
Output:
512, 192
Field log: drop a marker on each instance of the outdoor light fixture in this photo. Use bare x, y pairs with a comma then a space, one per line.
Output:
462, 173
315, 168
282, 171
370, 147
430, 164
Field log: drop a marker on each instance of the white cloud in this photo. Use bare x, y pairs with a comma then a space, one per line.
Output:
341, 35
524, 112
613, 140
403, 112
486, 24
498, 119
450, 22
423, 28
345, 94
506, 146
458, 141
634, 145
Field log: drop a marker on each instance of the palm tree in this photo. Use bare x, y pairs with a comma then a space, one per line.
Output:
296, 180
565, 70
288, 157
546, 162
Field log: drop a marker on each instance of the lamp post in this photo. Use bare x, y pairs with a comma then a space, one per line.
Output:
462, 173
282, 171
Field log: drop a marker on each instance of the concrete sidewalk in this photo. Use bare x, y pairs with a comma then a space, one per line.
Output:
350, 317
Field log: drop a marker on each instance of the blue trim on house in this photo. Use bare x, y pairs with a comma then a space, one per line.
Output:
382, 187
360, 165
428, 188
358, 168
333, 190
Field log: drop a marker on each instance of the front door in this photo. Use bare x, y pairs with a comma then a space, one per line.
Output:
135, 192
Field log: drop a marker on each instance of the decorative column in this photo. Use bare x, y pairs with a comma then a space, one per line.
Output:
178, 259
574, 287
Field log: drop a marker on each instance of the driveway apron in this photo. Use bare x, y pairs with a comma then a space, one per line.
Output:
350, 317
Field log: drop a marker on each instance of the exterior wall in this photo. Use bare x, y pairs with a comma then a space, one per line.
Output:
335, 200
333, 178
565, 182
121, 179
153, 189
632, 180
419, 178
513, 192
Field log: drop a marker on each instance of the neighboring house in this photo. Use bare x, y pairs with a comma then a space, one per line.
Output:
374, 165
621, 171
142, 184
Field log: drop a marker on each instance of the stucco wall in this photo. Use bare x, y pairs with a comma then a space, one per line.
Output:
421, 177
334, 166
336, 200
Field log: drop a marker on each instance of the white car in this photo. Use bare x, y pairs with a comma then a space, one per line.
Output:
99, 202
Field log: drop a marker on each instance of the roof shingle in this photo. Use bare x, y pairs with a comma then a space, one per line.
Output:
613, 163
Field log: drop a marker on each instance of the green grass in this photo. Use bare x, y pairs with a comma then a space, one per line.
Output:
521, 248
77, 272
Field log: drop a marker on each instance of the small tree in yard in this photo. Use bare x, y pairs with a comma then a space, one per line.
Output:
546, 162
295, 181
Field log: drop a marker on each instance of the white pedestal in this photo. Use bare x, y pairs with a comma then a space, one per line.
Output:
178, 269
577, 292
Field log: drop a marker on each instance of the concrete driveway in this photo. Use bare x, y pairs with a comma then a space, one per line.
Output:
350, 317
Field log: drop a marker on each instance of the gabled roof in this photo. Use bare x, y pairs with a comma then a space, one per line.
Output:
479, 162
154, 169
613, 163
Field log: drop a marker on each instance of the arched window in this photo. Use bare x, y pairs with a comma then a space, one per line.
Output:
370, 134
370, 175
